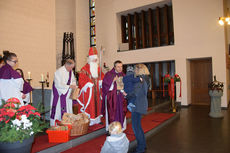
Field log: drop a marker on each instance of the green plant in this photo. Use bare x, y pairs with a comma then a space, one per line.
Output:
19, 123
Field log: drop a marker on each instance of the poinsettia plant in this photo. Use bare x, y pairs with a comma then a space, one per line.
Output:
167, 78
18, 123
176, 78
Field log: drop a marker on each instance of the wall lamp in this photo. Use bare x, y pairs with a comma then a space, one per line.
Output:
225, 20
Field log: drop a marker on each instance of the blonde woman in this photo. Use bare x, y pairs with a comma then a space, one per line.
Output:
140, 89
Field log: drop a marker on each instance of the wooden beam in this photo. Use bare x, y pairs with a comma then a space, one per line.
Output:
166, 34
160, 78
153, 76
130, 32
169, 67
143, 29
137, 37
160, 74
123, 32
150, 21
158, 26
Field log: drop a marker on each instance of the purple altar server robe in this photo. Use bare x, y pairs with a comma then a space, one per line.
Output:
11, 84
60, 101
113, 101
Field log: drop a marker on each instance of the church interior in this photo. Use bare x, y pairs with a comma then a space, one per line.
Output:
188, 39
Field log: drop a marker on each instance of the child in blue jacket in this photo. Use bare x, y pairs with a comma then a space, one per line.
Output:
129, 81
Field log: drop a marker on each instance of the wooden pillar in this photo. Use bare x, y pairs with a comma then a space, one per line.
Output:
153, 80
160, 78
130, 32
123, 32
150, 21
158, 26
143, 29
169, 67
137, 37
166, 34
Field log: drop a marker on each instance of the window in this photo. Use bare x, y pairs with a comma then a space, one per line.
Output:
148, 28
92, 20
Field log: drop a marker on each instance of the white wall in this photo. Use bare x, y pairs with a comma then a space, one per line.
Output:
27, 28
197, 34
65, 22
82, 40
73, 16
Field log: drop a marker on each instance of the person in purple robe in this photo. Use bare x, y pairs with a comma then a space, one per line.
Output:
2, 63
26, 88
113, 101
11, 83
64, 83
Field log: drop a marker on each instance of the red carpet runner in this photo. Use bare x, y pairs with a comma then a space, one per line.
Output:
42, 142
148, 122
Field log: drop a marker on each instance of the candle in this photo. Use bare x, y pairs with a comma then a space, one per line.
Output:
42, 77
47, 76
29, 75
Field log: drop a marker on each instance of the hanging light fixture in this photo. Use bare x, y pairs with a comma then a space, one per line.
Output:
224, 20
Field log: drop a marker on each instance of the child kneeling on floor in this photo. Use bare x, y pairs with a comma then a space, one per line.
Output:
117, 142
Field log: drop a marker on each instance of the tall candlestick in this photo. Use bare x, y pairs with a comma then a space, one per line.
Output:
29, 75
42, 77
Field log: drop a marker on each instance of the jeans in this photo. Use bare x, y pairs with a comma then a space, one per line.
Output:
138, 131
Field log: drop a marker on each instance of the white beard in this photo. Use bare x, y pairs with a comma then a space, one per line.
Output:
94, 69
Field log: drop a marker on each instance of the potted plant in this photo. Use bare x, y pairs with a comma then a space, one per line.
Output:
18, 125
215, 92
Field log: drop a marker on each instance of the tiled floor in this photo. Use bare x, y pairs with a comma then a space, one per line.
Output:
194, 132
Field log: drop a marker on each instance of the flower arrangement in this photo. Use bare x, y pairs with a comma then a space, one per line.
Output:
167, 78
176, 78
18, 123
216, 85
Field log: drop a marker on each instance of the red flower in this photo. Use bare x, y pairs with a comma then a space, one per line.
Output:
38, 114
11, 105
7, 121
177, 76
167, 76
11, 112
30, 107
1, 119
26, 108
13, 100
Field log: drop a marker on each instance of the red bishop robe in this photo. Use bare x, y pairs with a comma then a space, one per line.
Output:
92, 107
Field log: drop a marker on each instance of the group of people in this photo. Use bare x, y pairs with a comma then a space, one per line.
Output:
107, 95
12, 82
101, 95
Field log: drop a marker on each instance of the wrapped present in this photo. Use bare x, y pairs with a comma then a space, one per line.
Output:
58, 134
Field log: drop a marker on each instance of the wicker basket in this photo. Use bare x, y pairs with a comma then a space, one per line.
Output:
79, 122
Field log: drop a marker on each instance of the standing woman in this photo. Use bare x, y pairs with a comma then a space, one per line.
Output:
11, 83
26, 88
140, 89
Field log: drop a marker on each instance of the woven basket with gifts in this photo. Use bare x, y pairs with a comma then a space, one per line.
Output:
79, 122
